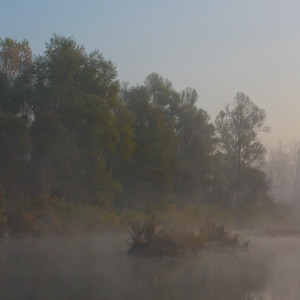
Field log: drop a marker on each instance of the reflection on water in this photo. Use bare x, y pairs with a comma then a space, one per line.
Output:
97, 267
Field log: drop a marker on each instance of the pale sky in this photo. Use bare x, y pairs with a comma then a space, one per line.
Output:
217, 47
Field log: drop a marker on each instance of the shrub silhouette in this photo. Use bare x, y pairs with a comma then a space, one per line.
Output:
148, 238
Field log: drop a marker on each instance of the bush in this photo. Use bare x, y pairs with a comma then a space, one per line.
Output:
218, 234
148, 238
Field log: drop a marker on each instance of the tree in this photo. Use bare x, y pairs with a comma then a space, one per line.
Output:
189, 96
15, 58
81, 91
162, 94
15, 77
67, 74
14, 144
195, 144
154, 159
237, 129
51, 155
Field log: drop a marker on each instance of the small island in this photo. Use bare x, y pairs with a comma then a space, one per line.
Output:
149, 239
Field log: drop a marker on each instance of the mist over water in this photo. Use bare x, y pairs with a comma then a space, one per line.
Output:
97, 267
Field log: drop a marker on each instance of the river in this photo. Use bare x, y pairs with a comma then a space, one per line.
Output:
97, 267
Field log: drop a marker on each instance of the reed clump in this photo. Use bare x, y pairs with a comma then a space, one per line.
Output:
150, 239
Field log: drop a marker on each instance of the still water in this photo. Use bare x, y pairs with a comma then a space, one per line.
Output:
97, 267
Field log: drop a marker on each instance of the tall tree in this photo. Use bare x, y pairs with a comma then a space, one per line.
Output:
66, 74
15, 77
195, 145
237, 128
154, 158
82, 90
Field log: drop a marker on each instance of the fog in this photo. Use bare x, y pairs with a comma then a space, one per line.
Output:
282, 169
97, 267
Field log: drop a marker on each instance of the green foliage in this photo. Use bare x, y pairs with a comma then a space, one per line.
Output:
14, 144
126, 145
67, 74
81, 90
195, 146
154, 158
51, 152
237, 128
16, 75
68, 131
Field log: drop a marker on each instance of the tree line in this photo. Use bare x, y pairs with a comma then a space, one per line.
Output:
70, 130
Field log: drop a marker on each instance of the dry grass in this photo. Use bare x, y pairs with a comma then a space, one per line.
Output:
148, 238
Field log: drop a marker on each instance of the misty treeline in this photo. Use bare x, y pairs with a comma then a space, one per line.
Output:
71, 133
282, 169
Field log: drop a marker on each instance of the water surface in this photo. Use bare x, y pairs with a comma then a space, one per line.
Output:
97, 267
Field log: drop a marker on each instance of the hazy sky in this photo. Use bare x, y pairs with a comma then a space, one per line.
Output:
215, 46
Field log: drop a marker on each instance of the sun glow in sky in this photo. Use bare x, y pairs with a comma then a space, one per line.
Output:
217, 47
